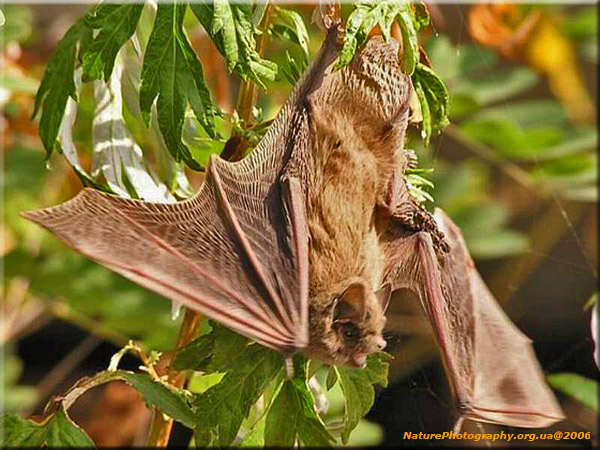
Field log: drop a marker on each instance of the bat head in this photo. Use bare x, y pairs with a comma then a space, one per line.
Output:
351, 326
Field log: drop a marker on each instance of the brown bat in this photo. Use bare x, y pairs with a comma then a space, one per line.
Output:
299, 245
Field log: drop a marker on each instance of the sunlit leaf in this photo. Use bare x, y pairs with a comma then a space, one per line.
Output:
232, 30
116, 24
172, 72
58, 84
116, 155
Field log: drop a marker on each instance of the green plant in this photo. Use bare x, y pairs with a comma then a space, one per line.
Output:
154, 115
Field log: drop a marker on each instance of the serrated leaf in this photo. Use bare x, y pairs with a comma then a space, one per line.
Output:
216, 351
223, 407
116, 24
357, 386
293, 415
58, 84
55, 431
581, 388
172, 72
232, 30
369, 14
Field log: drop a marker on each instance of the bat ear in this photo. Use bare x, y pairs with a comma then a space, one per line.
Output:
351, 304
383, 296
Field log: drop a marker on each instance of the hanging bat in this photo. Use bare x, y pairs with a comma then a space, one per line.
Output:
299, 245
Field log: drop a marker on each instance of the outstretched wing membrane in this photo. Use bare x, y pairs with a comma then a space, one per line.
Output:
237, 251
491, 367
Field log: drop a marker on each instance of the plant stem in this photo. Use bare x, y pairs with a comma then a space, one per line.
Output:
248, 90
160, 428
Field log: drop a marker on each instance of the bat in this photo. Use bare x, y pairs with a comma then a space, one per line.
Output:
299, 245
490, 365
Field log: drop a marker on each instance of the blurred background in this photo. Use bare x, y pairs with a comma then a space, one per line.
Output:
516, 169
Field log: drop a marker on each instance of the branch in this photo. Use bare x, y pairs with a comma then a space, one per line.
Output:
160, 428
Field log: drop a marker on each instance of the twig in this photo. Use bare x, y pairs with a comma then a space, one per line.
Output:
64, 367
160, 428
63, 311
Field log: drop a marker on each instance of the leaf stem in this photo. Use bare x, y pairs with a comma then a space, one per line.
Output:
160, 428
248, 90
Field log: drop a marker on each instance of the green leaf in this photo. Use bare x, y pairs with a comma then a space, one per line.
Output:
116, 24
223, 407
367, 434
580, 388
230, 27
410, 43
160, 396
357, 386
434, 99
213, 352
426, 125
172, 72
58, 84
256, 437
420, 15
332, 378
57, 430
289, 25
366, 16
293, 414
292, 70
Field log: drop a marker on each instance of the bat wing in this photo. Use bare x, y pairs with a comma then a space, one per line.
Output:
491, 367
237, 251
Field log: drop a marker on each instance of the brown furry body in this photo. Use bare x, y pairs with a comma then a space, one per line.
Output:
356, 146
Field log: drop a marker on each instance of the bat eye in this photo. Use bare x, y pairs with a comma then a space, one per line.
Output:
337, 144
350, 331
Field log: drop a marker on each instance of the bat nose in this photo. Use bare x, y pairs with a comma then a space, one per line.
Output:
381, 343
